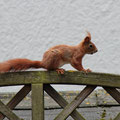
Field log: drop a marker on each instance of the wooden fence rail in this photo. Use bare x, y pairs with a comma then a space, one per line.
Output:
40, 81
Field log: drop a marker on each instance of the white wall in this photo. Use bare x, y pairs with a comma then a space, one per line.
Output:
29, 27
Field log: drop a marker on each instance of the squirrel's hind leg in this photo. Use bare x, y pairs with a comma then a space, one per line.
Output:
52, 59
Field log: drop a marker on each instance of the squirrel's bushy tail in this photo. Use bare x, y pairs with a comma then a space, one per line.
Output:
19, 65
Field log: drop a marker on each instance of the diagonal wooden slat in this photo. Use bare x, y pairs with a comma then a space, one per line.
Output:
77, 101
116, 95
117, 117
37, 102
7, 112
61, 101
17, 98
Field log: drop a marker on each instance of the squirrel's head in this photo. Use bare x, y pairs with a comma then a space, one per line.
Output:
88, 46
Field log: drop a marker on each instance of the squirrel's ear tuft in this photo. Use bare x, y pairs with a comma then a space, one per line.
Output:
89, 35
87, 38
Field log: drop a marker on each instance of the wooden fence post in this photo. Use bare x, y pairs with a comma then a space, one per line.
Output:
37, 102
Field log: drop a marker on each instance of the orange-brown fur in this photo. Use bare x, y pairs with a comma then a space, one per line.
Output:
55, 57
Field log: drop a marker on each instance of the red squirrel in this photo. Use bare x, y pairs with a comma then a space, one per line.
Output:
55, 57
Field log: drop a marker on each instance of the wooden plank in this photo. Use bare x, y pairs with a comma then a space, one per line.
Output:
7, 112
37, 102
61, 101
99, 79
117, 117
114, 93
77, 101
17, 98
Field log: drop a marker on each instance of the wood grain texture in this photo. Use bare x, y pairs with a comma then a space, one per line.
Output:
7, 112
77, 101
38, 78
62, 102
37, 102
51, 77
17, 98
114, 93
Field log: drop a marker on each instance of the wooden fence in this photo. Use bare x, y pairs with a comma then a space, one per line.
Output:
40, 81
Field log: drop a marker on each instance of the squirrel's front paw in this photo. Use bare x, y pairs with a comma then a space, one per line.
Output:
60, 71
87, 70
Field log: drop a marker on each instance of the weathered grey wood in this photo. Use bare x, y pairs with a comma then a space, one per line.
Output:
17, 98
117, 117
37, 102
21, 78
61, 101
114, 93
39, 78
77, 101
7, 112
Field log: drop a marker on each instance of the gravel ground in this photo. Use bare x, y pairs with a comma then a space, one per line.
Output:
94, 113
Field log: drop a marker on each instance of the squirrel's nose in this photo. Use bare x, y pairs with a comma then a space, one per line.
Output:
96, 50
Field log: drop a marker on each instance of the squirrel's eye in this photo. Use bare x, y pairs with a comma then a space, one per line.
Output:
91, 46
